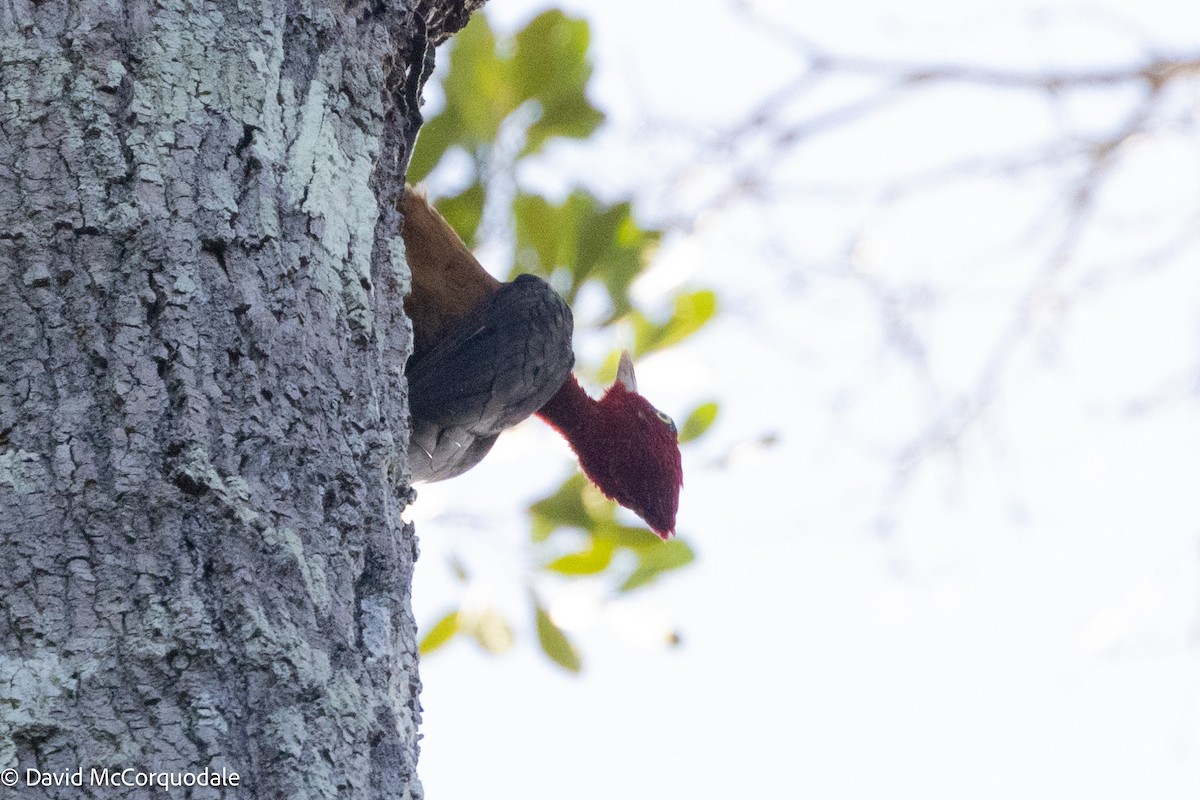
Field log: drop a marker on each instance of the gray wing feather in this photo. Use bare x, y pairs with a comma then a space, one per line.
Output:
497, 366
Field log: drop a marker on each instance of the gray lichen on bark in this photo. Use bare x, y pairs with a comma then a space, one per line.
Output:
202, 404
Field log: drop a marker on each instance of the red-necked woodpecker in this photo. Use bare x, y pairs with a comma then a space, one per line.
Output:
487, 355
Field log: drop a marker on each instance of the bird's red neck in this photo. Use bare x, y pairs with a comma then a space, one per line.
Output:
570, 411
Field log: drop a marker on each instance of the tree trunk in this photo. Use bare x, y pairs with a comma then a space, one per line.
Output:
203, 414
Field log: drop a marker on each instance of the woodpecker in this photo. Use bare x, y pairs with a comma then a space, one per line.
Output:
488, 354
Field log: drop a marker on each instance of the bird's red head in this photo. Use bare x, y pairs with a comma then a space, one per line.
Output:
628, 448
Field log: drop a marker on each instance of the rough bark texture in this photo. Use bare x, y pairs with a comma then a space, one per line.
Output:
202, 404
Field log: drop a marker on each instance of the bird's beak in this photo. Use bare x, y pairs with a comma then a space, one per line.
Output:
625, 374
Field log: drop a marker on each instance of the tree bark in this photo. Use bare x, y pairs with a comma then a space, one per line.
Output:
203, 415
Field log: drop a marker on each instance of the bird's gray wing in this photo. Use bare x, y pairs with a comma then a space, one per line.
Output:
494, 368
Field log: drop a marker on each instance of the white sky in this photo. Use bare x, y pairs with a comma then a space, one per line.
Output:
1018, 617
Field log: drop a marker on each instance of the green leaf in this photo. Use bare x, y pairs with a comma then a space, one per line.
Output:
554, 641
491, 630
613, 248
594, 559
628, 537
540, 230
692, 310
587, 239
478, 87
698, 422
550, 65
545, 64
435, 138
563, 509
464, 211
442, 631
654, 561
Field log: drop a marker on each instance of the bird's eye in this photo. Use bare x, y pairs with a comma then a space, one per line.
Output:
670, 423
